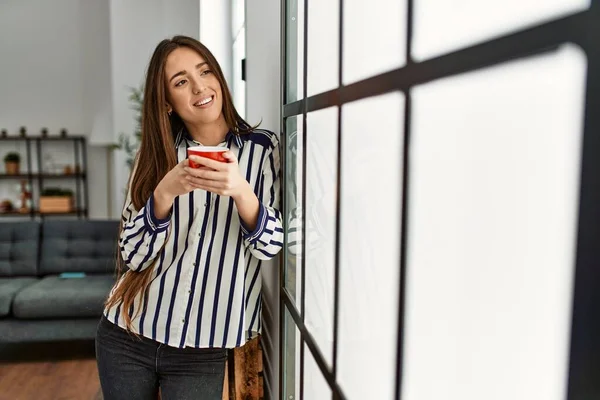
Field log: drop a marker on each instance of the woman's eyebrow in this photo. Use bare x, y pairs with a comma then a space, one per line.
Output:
183, 72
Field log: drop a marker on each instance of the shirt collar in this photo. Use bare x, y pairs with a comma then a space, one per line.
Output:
184, 134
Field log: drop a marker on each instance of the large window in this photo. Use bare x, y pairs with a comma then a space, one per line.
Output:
441, 197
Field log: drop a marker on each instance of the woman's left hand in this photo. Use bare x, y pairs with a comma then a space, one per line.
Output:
223, 178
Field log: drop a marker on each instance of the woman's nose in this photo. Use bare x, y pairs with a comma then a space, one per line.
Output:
196, 86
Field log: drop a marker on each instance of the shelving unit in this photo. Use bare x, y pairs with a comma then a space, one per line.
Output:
38, 178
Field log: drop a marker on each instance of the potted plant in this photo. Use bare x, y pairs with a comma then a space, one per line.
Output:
131, 143
12, 162
6, 206
56, 200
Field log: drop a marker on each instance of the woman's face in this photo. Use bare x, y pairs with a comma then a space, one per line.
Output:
193, 90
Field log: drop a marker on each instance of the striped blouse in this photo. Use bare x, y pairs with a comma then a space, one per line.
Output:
205, 288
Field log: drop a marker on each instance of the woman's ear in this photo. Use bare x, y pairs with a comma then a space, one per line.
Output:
169, 109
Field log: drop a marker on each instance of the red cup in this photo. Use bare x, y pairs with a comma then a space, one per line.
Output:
212, 152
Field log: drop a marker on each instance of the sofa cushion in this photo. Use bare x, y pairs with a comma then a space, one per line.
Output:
24, 331
78, 246
55, 297
19, 242
8, 289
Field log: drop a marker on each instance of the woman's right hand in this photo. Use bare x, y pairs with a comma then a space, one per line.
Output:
173, 184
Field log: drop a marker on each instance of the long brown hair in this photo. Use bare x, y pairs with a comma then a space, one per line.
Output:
157, 155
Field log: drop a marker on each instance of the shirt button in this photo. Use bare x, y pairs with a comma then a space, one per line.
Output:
189, 291
205, 204
194, 264
183, 320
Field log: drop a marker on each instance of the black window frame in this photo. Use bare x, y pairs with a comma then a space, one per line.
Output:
580, 28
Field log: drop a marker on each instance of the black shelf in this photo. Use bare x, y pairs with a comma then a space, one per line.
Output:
80, 195
43, 176
15, 214
54, 138
75, 212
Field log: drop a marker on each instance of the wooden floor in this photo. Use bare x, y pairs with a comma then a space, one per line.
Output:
49, 371
67, 371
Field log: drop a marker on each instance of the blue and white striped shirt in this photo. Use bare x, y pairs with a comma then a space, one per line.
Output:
205, 288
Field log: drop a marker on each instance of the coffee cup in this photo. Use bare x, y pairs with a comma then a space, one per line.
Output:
212, 152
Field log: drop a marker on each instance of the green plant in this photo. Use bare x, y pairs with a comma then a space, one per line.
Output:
131, 143
12, 157
57, 192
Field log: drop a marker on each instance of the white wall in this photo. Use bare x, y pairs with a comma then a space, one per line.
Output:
238, 37
97, 101
41, 73
181, 17
215, 32
95, 52
263, 87
56, 67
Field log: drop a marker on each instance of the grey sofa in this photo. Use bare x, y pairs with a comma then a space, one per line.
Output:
36, 303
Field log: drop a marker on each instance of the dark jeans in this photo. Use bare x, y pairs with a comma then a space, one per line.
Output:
132, 368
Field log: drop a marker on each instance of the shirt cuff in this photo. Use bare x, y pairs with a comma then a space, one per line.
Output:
261, 225
155, 224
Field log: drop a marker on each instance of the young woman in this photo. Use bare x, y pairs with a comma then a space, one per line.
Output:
192, 240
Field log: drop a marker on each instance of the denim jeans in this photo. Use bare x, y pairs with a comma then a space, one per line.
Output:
132, 368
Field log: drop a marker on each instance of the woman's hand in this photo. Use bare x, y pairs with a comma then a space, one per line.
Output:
223, 178
174, 183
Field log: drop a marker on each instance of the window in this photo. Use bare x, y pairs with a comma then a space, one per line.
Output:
440, 227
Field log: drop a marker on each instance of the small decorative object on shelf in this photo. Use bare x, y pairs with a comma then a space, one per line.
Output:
23, 131
63, 132
25, 198
68, 170
4, 133
77, 169
56, 200
6, 206
12, 162
44, 132
49, 165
